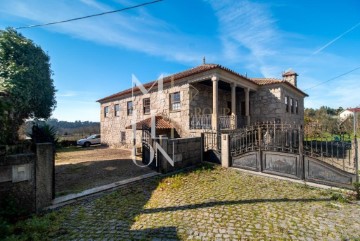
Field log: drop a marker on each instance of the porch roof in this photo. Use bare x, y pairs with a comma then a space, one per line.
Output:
196, 70
160, 124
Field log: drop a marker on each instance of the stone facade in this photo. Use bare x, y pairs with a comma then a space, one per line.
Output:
266, 103
112, 126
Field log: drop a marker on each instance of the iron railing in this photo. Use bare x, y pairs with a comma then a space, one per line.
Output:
212, 141
265, 136
227, 122
200, 122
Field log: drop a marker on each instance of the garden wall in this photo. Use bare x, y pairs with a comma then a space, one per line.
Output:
184, 152
26, 180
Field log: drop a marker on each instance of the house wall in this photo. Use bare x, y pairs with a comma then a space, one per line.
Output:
111, 126
268, 104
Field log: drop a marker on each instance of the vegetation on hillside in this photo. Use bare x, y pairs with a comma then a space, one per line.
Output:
325, 122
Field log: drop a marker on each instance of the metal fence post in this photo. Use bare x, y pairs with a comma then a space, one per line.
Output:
301, 153
356, 159
202, 147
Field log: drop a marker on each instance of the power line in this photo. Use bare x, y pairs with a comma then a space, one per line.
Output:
333, 78
89, 16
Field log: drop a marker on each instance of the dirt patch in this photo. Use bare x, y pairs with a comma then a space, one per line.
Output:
86, 168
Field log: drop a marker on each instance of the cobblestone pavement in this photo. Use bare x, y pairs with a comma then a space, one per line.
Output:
212, 204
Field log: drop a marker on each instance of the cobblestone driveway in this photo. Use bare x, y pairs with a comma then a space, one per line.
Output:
218, 204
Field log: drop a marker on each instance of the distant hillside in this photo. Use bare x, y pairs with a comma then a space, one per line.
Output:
65, 129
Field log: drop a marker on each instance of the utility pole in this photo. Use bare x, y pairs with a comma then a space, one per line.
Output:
355, 111
356, 149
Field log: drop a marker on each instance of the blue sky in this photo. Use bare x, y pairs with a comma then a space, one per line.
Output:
96, 57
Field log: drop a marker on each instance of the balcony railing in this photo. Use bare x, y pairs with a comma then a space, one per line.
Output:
200, 121
204, 122
227, 122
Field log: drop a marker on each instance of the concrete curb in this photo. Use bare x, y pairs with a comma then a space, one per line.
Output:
311, 184
71, 198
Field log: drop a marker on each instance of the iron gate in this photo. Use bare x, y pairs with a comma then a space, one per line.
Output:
281, 149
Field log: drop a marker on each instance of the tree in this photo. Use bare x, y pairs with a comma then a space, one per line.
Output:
25, 77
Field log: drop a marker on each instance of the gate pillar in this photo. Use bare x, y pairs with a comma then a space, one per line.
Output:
225, 150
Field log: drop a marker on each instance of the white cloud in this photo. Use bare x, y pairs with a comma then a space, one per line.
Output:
136, 30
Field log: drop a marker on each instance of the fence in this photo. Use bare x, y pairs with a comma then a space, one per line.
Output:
280, 149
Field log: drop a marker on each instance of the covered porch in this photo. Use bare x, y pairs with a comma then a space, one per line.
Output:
220, 103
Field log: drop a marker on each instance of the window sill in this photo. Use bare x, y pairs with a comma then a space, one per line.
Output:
174, 111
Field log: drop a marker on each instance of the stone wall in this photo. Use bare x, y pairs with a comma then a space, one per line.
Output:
185, 152
111, 126
17, 181
27, 179
268, 104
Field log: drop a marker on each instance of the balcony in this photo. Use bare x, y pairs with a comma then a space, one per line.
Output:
203, 122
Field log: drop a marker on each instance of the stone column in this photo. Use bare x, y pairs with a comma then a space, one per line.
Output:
44, 175
233, 106
247, 105
215, 113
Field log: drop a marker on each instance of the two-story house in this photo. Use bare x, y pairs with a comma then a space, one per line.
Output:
206, 97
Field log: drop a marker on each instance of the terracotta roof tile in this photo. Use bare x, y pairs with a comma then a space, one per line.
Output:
270, 81
266, 81
160, 123
177, 76
356, 109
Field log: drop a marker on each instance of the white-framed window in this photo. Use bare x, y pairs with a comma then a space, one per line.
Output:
130, 108
117, 109
106, 111
287, 107
175, 103
146, 105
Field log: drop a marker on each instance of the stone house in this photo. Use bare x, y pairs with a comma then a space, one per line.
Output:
206, 97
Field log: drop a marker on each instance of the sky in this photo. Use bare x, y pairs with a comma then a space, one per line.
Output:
96, 57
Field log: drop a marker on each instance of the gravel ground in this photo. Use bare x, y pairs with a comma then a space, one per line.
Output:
86, 168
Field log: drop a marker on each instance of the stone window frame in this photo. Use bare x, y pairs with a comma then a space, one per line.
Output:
117, 110
146, 106
287, 104
130, 107
122, 136
106, 111
175, 103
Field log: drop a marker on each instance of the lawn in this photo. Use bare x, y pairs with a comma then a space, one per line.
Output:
207, 203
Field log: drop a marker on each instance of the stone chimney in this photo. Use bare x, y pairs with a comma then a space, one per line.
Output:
291, 77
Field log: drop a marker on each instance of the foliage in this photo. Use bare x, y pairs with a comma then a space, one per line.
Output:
25, 77
43, 133
325, 123
339, 197
10, 210
34, 228
357, 190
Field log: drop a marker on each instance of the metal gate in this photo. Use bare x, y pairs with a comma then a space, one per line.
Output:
212, 146
281, 149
